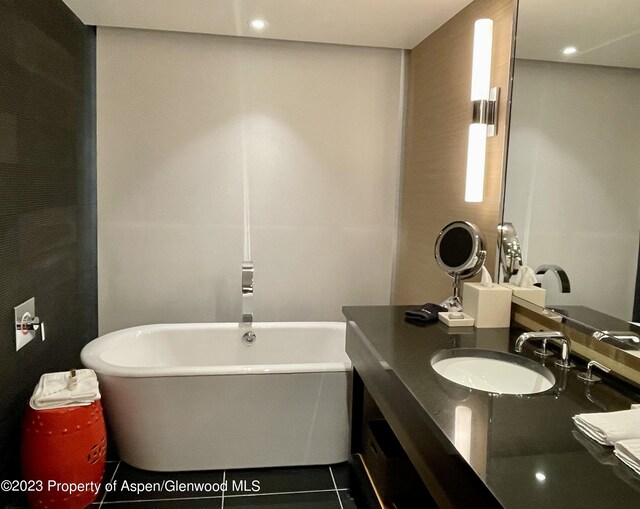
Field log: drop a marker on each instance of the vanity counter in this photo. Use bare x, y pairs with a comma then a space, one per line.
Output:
476, 449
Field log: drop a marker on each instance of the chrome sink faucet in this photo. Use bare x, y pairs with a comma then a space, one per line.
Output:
565, 353
247, 291
561, 275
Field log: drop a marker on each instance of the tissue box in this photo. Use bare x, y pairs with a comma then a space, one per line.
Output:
489, 306
533, 294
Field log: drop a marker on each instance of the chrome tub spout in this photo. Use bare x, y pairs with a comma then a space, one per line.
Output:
247, 292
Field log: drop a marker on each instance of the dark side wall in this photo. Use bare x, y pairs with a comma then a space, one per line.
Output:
47, 199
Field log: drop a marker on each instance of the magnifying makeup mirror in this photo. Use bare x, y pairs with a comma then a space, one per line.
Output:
460, 252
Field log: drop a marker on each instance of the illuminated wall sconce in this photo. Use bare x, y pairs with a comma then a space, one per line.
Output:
485, 110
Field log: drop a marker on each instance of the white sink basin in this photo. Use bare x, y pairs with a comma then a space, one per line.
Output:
490, 371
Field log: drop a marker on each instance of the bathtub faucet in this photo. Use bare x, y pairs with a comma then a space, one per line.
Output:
247, 291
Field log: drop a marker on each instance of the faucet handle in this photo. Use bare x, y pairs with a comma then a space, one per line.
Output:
564, 361
28, 323
588, 376
542, 351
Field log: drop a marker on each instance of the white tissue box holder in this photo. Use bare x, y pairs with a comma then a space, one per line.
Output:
533, 294
489, 306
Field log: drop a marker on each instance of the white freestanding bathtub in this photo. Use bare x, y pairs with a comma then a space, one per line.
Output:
196, 397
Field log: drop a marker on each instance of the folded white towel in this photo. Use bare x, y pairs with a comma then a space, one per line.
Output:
629, 453
57, 390
609, 427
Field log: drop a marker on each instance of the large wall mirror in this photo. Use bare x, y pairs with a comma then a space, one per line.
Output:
573, 168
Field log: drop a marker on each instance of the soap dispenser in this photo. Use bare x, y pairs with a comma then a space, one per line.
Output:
488, 303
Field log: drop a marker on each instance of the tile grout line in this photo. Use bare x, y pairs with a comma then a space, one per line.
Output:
224, 478
335, 486
153, 500
248, 495
113, 476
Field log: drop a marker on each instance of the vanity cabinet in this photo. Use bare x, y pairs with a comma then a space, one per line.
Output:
470, 448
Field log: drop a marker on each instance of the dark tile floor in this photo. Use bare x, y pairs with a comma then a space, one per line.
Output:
315, 487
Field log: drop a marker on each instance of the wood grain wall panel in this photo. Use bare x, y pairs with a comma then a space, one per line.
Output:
435, 150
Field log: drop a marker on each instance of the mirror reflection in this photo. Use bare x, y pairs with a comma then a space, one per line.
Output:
573, 171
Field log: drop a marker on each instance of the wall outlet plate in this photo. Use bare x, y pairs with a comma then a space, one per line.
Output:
19, 311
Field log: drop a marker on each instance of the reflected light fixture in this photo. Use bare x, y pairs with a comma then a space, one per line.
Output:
462, 430
258, 24
485, 110
569, 50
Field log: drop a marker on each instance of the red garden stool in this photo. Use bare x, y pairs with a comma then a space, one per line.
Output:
63, 452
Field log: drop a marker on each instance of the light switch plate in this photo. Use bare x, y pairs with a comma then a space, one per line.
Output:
19, 311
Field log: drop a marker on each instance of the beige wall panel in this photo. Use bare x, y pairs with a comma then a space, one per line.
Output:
438, 116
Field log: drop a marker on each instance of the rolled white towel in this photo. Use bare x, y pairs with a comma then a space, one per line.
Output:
628, 451
609, 427
58, 390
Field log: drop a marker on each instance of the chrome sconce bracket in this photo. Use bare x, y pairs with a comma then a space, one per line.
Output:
486, 111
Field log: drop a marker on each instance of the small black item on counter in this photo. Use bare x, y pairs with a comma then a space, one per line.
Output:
424, 314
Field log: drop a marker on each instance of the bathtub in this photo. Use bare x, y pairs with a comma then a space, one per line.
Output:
196, 397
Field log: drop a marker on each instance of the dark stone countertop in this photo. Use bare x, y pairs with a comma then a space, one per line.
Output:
525, 450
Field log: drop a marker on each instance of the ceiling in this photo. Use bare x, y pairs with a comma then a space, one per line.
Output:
604, 32
380, 23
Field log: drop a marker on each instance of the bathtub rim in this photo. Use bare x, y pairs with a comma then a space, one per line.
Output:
90, 354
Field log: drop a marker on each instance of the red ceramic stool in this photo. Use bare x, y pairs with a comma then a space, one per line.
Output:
65, 449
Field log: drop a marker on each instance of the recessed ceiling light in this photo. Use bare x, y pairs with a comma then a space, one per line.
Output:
258, 24
569, 50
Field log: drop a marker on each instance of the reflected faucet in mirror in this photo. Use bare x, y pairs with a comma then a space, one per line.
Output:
561, 275
624, 339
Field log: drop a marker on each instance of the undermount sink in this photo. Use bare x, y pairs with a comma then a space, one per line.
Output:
490, 371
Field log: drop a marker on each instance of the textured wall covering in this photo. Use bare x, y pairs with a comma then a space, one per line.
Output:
47, 200
636, 305
435, 148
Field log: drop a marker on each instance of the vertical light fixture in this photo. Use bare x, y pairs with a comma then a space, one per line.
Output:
484, 101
